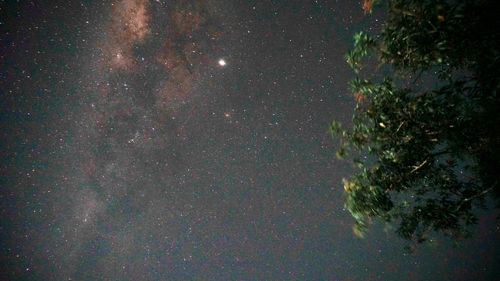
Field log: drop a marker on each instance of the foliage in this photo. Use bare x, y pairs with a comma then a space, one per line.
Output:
424, 156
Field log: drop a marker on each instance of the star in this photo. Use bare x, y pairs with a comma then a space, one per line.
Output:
222, 62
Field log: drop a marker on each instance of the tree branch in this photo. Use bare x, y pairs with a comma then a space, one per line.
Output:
473, 197
415, 168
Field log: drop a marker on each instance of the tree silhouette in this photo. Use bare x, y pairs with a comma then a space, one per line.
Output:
425, 137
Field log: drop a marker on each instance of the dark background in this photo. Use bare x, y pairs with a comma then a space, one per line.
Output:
142, 171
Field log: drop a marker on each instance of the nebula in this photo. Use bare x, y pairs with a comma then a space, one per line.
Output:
186, 22
181, 55
128, 26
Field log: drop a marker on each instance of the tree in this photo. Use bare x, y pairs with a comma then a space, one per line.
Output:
424, 139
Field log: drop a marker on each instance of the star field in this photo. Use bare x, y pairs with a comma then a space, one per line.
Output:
187, 140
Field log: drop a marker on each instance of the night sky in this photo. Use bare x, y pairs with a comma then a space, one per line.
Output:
187, 140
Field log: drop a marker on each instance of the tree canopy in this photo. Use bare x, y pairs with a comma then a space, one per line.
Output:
424, 140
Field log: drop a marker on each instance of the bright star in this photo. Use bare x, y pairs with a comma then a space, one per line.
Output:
222, 62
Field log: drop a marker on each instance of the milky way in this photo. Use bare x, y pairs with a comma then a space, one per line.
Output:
133, 153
